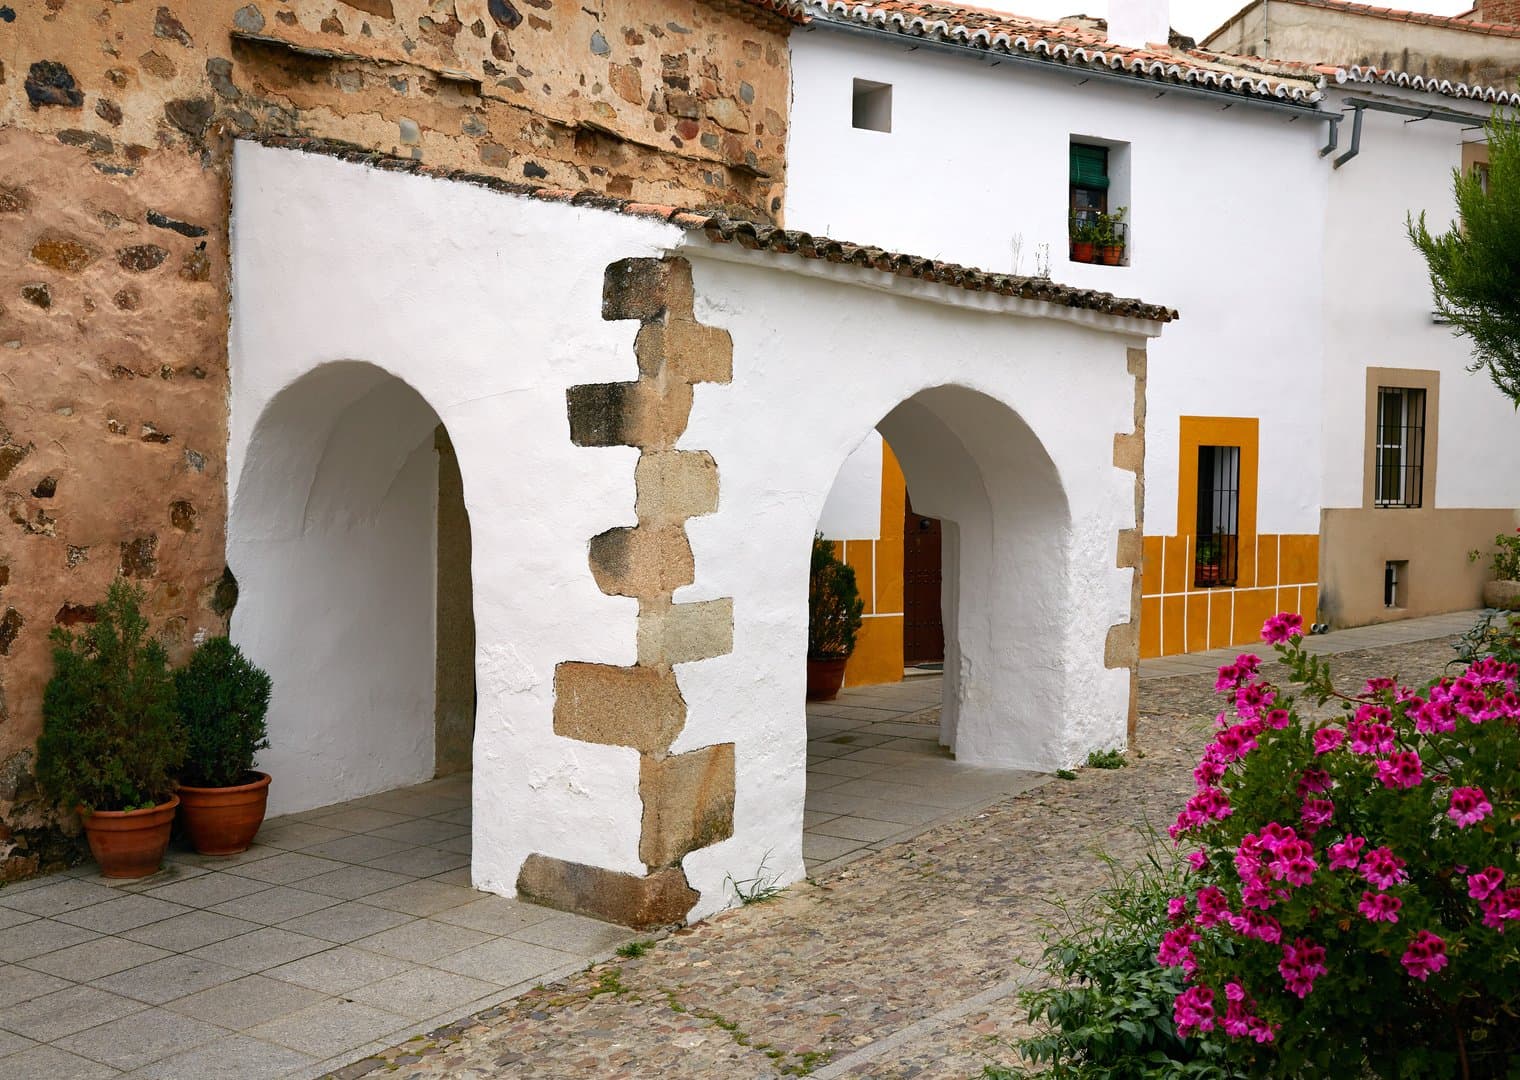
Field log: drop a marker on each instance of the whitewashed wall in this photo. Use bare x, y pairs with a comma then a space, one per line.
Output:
853, 508
1378, 313
1227, 208
369, 305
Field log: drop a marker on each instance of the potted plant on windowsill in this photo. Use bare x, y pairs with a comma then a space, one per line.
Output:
1084, 238
111, 738
1110, 242
1206, 569
1503, 592
223, 699
834, 616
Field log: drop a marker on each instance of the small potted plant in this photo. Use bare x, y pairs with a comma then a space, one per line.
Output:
1084, 236
111, 738
1503, 592
1206, 569
1111, 237
834, 615
223, 699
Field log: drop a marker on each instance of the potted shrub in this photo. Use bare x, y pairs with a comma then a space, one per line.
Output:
1084, 237
1111, 237
1503, 592
1206, 569
223, 699
111, 738
834, 611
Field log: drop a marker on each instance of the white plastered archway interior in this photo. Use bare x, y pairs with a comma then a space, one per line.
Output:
333, 534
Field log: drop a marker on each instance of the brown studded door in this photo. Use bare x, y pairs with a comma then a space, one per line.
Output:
923, 625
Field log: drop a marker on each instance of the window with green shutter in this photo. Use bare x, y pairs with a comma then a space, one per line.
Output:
1089, 182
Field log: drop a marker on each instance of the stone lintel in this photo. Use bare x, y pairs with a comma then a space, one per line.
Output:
660, 899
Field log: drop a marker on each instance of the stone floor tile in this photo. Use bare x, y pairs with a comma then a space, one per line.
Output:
208, 889
423, 992
169, 873
354, 882
423, 861
358, 819
844, 767
256, 852
422, 941
812, 818
266, 947
416, 803
460, 877
573, 934
140, 1038
286, 867
926, 747
298, 835
461, 816
421, 831
246, 1002
232, 1057
13, 1044
190, 931
863, 830
40, 936
818, 848
338, 971
66, 1011
275, 905
824, 781
123, 913
329, 1027
11, 917
51, 1063
356, 848
463, 844
506, 961
346, 921
495, 915
95, 959
64, 894
20, 984
422, 898
169, 978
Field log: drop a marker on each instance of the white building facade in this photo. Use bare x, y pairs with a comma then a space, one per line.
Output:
1300, 295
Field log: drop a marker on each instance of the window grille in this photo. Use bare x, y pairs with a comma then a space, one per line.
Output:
1399, 453
1216, 557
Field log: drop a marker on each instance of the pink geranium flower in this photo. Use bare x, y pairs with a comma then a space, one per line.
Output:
1302, 963
1383, 869
1469, 806
1327, 739
1193, 1011
1281, 627
1380, 907
1483, 884
1401, 770
1425, 955
1347, 854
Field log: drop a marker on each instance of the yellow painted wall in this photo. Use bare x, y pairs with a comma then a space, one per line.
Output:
1274, 573
878, 655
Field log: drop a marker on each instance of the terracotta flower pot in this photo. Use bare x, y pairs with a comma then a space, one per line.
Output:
1082, 251
824, 677
1112, 254
129, 843
1504, 595
224, 821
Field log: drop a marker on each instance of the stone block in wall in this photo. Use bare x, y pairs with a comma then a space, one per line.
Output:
684, 633
661, 899
618, 706
675, 484
685, 350
688, 803
646, 289
628, 414
645, 560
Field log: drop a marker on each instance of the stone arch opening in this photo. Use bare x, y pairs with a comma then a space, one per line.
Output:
968, 460
350, 540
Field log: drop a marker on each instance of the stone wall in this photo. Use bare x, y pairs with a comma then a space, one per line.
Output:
114, 197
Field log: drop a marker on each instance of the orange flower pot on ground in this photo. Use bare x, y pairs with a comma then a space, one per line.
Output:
129, 843
224, 821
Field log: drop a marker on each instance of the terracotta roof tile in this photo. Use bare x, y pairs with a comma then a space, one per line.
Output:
1490, 94
1075, 46
1450, 22
721, 228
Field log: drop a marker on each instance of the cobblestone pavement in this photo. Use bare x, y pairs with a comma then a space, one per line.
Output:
905, 963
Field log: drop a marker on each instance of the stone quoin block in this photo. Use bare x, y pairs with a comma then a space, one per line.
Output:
645, 560
688, 803
646, 289
1130, 546
638, 707
684, 633
684, 349
673, 485
1121, 649
628, 414
1129, 452
661, 899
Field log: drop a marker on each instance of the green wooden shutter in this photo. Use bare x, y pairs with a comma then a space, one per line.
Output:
1089, 166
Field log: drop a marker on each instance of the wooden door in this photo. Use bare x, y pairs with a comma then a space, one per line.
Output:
923, 625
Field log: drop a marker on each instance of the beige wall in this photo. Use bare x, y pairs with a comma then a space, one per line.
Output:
1283, 30
1355, 543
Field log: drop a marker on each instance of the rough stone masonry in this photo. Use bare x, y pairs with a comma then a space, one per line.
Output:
114, 281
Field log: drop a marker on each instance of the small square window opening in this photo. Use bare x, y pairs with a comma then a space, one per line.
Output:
872, 106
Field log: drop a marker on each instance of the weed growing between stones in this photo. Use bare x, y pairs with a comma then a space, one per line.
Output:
1106, 759
757, 889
